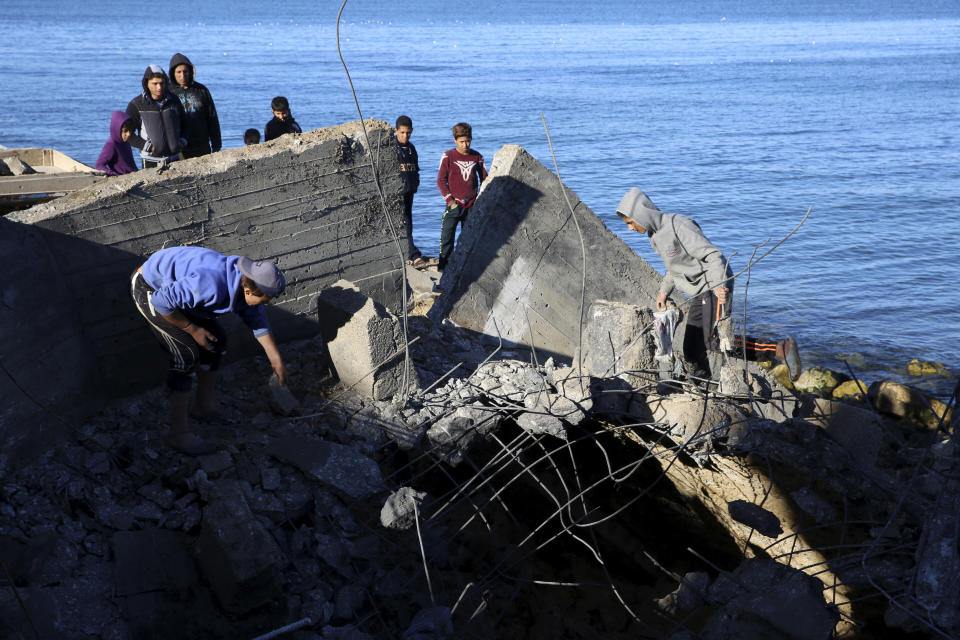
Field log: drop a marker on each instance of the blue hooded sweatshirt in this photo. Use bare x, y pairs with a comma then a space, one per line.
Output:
203, 282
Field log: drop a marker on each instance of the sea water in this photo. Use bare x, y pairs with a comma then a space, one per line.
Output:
740, 114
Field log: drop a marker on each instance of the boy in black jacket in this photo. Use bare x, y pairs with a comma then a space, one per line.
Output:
282, 121
202, 125
410, 173
158, 118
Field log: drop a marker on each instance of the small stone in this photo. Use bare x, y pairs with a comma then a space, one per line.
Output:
162, 497
269, 478
917, 367
818, 380
398, 511
98, 462
850, 390
216, 463
283, 401
349, 599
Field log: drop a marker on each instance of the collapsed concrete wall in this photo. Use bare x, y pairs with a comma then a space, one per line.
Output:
518, 265
70, 333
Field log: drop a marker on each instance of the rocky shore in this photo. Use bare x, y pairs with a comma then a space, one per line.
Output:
499, 495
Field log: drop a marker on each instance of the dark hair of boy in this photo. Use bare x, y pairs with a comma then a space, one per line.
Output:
462, 129
247, 283
251, 136
279, 104
128, 126
404, 121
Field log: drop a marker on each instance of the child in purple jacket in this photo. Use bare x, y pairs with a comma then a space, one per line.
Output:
116, 158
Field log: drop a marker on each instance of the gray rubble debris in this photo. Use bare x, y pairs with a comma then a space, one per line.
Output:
152, 560
335, 465
237, 555
365, 342
766, 599
432, 623
689, 594
618, 342
399, 510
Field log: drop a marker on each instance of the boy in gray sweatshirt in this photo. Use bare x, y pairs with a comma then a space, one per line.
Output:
697, 269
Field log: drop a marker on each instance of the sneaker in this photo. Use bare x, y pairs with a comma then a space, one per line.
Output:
788, 353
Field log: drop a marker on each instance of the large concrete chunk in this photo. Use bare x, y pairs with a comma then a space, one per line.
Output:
618, 341
365, 341
238, 556
309, 202
333, 464
518, 265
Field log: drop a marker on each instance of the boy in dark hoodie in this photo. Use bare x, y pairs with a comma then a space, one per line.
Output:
698, 269
282, 121
410, 173
202, 126
158, 116
116, 157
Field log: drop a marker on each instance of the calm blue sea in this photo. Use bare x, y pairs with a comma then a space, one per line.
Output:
741, 114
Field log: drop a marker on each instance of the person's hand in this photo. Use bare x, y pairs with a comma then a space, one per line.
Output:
661, 301
202, 337
281, 371
721, 293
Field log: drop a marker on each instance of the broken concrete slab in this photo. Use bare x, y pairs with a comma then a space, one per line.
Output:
517, 268
365, 342
333, 464
766, 599
618, 341
269, 201
152, 560
237, 555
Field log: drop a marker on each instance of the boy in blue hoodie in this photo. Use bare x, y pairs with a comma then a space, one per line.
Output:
180, 291
116, 157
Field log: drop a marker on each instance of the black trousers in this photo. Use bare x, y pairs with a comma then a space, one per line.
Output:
185, 354
412, 252
701, 335
452, 216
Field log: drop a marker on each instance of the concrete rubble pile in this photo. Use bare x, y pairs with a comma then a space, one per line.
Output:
531, 480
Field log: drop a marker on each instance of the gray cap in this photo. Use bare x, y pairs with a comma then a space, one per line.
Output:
266, 275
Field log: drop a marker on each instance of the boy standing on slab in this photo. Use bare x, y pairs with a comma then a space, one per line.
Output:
410, 174
461, 172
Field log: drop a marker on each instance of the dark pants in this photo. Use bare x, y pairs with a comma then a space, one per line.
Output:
452, 215
701, 335
185, 354
412, 252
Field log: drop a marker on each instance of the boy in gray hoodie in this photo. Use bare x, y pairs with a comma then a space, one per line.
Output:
697, 269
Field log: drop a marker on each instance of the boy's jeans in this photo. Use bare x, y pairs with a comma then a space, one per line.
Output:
448, 231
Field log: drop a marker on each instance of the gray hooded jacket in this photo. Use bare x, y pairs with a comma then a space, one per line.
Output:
693, 264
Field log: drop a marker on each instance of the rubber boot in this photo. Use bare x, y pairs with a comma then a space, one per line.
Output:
206, 386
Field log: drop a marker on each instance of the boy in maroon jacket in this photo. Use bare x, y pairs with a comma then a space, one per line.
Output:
459, 178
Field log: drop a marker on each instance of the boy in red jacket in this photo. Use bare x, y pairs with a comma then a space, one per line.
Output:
461, 172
